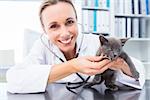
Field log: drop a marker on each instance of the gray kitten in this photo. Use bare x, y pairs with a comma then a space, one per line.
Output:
112, 48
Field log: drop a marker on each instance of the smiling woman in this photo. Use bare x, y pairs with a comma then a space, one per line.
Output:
62, 29
63, 54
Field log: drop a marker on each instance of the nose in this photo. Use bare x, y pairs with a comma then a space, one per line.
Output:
115, 56
64, 31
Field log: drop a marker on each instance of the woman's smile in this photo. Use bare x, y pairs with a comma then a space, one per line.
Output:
66, 41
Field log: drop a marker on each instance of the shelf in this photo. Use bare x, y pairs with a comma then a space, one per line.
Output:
146, 63
94, 8
132, 16
140, 39
96, 33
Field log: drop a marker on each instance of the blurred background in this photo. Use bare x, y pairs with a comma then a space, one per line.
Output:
19, 28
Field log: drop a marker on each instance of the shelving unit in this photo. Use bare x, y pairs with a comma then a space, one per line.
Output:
94, 8
93, 13
138, 47
132, 16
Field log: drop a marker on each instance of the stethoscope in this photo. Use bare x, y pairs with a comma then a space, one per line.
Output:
69, 85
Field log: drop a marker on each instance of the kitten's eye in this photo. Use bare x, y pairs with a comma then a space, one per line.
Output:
109, 49
70, 22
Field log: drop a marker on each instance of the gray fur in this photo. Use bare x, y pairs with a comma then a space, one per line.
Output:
112, 48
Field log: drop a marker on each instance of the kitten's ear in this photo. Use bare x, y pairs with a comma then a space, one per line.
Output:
124, 40
103, 40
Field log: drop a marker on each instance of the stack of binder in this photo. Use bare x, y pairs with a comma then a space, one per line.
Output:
130, 24
96, 16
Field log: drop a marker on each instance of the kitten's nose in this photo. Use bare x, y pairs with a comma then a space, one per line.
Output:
115, 55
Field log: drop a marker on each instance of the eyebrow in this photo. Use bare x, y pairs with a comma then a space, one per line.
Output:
56, 22
69, 18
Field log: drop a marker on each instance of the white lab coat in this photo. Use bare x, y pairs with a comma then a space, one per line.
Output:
31, 76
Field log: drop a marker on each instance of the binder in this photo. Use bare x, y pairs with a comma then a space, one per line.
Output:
128, 7
103, 4
103, 22
91, 20
121, 6
85, 3
147, 7
148, 28
120, 22
108, 4
128, 11
135, 21
143, 7
95, 21
136, 7
90, 3
142, 26
122, 32
116, 3
95, 16
128, 27
116, 27
135, 28
85, 21
139, 6
100, 4
99, 22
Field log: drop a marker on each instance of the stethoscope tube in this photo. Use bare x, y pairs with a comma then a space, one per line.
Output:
68, 84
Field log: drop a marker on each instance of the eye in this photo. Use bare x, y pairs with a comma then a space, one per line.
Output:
70, 22
109, 49
54, 27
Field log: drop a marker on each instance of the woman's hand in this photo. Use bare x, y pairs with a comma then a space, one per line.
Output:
120, 64
90, 65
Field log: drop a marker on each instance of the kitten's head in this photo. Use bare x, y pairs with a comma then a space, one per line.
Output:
111, 47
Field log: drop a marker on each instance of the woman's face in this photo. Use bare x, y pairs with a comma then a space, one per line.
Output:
60, 24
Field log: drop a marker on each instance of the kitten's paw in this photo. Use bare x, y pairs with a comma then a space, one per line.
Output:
112, 87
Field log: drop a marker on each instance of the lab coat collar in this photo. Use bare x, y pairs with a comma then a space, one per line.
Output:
80, 43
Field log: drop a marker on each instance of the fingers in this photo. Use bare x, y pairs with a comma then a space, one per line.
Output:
103, 69
92, 72
119, 61
103, 63
99, 65
95, 71
95, 58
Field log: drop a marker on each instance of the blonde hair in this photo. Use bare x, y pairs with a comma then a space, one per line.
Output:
47, 3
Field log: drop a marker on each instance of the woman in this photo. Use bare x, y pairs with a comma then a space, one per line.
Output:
63, 52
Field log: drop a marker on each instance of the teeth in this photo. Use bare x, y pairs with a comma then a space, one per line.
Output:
66, 41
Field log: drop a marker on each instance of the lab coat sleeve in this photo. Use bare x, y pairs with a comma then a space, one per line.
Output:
30, 76
129, 81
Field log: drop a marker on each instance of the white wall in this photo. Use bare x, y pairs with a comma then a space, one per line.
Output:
15, 16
